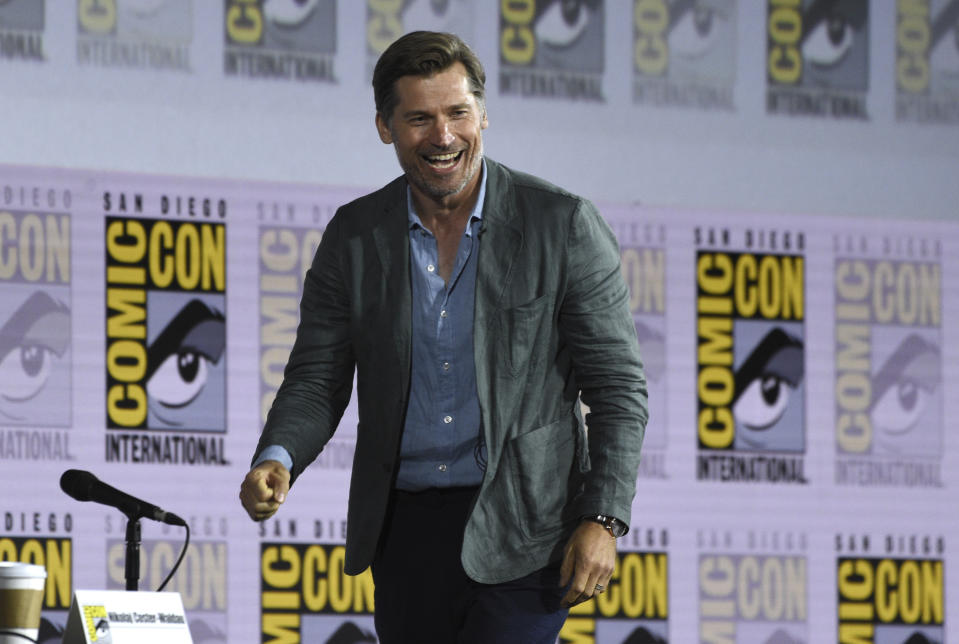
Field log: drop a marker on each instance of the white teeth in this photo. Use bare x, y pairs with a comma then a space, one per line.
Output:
439, 158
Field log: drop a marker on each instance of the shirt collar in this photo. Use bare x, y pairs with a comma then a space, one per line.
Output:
476, 215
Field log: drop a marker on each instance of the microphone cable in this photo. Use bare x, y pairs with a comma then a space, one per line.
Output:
186, 544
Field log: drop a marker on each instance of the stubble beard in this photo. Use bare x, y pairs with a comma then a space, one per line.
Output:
441, 190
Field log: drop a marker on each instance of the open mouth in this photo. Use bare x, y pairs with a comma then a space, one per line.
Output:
443, 161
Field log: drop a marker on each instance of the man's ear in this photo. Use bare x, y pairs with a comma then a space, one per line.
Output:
383, 129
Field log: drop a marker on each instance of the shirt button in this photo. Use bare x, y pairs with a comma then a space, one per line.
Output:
441, 468
443, 313
446, 366
447, 419
430, 268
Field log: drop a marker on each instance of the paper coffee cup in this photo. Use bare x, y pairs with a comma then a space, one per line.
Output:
21, 598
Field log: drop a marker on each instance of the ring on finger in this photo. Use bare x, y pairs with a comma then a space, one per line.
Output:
600, 588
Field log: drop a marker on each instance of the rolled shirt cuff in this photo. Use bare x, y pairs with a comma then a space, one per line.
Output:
275, 453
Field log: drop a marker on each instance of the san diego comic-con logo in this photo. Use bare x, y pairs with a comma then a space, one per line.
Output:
21, 30
387, 20
96, 623
280, 39
817, 58
165, 336
927, 61
643, 265
285, 254
552, 48
888, 357
635, 605
750, 312
684, 53
753, 588
890, 590
201, 580
54, 553
135, 34
35, 319
307, 597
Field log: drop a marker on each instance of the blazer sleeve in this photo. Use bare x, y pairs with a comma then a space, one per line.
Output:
597, 325
318, 379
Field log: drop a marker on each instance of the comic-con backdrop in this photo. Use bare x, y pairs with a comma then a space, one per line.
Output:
798, 481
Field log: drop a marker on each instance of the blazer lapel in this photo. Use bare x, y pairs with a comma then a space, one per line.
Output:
500, 244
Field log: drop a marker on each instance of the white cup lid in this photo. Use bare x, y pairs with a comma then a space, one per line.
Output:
19, 569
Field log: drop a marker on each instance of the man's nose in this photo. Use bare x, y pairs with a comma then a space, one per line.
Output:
441, 136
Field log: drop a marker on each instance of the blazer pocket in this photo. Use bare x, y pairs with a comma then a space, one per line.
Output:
518, 330
543, 478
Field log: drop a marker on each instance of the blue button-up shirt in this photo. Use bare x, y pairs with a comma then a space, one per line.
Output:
442, 443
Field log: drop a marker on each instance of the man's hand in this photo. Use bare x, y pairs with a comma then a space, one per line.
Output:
264, 488
589, 561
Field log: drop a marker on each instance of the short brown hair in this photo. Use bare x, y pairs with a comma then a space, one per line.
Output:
423, 53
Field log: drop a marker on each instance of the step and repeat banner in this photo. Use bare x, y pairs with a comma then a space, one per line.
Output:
799, 472
795, 483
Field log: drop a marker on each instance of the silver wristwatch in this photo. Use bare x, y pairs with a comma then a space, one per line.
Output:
614, 526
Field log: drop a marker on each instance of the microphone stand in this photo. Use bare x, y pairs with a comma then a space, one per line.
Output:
132, 565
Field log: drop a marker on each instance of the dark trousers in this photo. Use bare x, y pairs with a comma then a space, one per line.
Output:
423, 596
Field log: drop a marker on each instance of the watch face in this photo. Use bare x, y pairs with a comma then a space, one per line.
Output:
617, 527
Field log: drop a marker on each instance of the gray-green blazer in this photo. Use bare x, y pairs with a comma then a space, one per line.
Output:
551, 320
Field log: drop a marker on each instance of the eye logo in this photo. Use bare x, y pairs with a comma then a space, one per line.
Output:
768, 400
652, 344
562, 23
944, 42
764, 383
34, 372
435, 15
831, 35
903, 390
695, 28
288, 13
185, 370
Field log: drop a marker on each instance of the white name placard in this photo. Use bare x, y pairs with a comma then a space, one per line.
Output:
125, 617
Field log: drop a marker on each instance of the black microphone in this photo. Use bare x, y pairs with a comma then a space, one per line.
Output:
84, 486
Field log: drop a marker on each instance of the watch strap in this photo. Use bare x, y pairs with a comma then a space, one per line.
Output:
614, 526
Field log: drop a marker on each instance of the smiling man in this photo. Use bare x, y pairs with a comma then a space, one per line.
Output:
476, 304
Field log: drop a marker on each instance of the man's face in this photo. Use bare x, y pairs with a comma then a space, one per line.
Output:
436, 130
